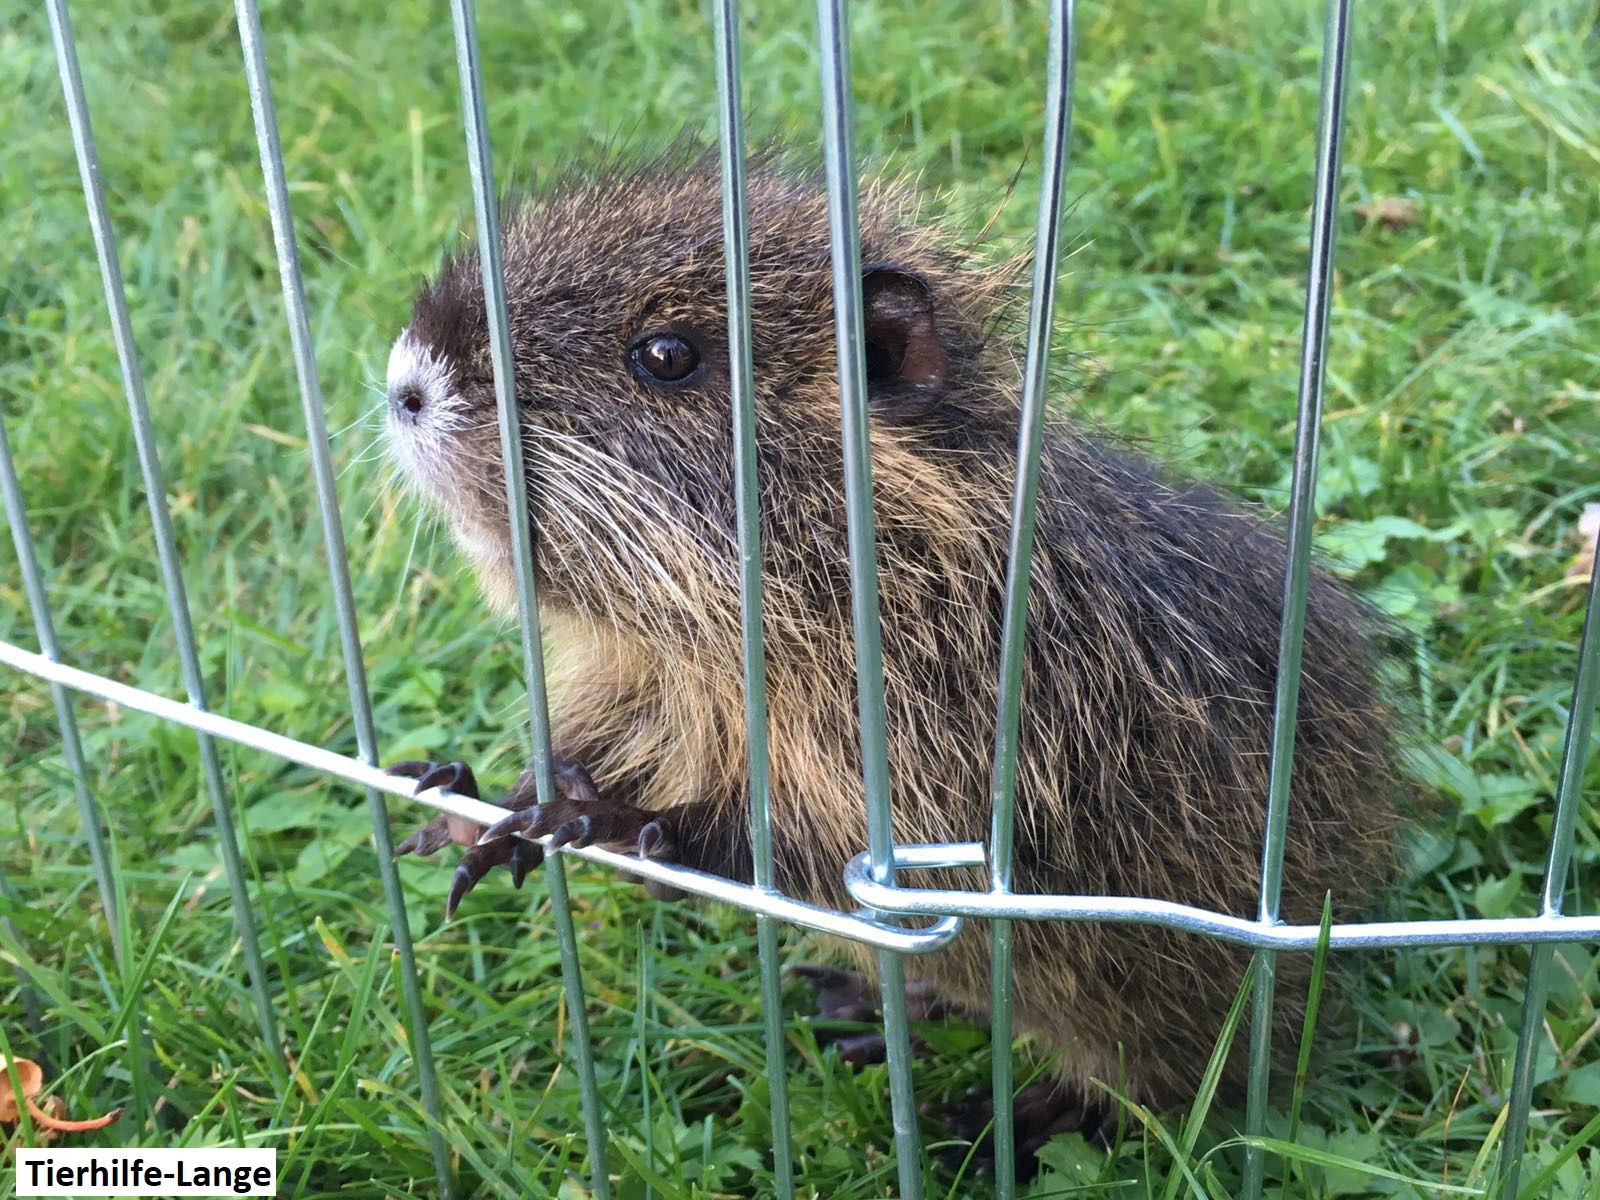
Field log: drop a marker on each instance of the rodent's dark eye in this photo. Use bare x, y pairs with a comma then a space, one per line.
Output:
665, 357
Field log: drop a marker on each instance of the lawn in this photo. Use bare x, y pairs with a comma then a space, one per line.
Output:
1461, 438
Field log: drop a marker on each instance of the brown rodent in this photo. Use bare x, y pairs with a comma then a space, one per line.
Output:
1151, 641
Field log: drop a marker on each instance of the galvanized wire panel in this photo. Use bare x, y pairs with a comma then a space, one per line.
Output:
305, 361
736, 255
469, 69
1019, 566
845, 244
872, 876
1501, 931
1569, 796
161, 521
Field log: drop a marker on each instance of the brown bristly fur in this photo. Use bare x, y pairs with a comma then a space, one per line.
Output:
1154, 607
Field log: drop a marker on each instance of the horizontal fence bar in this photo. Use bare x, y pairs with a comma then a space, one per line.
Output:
952, 905
1129, 910
353, 770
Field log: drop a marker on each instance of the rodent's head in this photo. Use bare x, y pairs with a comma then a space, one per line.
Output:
617, 303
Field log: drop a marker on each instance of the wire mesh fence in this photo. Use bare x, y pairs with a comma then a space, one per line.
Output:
873, 877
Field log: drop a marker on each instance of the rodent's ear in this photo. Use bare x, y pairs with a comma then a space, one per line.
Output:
903, 344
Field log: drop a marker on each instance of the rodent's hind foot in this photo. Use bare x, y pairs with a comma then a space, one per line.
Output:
844, 995
1039, 1112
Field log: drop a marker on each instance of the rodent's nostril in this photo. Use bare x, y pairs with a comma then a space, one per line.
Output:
409, 397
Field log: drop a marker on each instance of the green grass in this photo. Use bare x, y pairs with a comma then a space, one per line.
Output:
1463, 423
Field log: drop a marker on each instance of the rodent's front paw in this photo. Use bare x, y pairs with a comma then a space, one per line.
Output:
577, 823
517, 856
446, 828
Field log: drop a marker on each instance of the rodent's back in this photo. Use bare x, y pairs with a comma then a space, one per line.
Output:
1154, 613
1144, 754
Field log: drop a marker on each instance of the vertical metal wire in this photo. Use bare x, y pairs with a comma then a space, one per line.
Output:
160, 519
489, 250
305, 361
66, 718
736, 255
72, 750
1569, 797
1302, 507
1024, 501
845, 237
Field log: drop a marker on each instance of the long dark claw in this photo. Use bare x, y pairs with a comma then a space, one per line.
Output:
656, 842
441, 831
525, 856
430, 839
460, 884
575, 782
578, 832
517, 822
452, 777
516, 855
568, 823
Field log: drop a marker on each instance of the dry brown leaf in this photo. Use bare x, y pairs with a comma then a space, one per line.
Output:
48, 1118
1392, 212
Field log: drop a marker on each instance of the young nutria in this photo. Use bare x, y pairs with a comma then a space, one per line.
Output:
1151, 642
